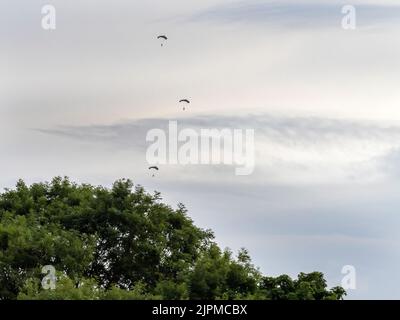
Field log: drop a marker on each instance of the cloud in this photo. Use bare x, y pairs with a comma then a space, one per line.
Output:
307, 14
289, 150
302, 128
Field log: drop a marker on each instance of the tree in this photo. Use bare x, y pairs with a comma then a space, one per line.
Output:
124, 243
311, 286
217, 275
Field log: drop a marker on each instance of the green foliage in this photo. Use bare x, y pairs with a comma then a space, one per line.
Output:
66, 289
85, 289
217, 275
311, 286
123, 243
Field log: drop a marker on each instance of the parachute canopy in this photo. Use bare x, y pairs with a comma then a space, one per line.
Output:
165, 38
185, 101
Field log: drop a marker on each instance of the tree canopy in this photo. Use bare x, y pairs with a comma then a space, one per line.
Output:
124, 243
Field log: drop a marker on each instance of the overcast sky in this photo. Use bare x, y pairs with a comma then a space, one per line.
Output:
324, 103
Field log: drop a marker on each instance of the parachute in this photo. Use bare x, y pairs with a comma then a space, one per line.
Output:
153, 168
162, 37
186, 101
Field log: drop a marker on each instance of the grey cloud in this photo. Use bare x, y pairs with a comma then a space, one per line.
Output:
288, 150
300, 129
296, 13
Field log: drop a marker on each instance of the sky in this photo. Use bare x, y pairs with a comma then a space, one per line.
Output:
323, 102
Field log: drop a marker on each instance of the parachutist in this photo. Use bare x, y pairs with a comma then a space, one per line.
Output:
185, 101
153, 168
164, 38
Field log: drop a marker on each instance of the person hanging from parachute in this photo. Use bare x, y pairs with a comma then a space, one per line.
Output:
153, 168
186, 101
164, 37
